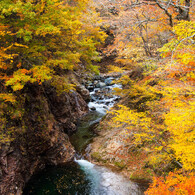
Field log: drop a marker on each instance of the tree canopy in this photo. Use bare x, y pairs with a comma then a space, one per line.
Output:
40, 40
158, 37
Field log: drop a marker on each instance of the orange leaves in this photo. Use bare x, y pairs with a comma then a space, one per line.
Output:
192, 63
19, 64
174, 184
5, 77
167, 54
7, 97
24, 71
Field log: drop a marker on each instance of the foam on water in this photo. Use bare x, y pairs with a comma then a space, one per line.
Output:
84, 163
99, 107
104, 104
105, 182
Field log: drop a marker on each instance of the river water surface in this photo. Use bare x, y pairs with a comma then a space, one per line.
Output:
81, 177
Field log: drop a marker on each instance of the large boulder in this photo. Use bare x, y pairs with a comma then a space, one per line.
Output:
83, 92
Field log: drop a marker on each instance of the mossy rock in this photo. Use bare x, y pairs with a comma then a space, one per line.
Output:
96, 156
120, 164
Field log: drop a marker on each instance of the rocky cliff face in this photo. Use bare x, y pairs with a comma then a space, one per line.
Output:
48, 119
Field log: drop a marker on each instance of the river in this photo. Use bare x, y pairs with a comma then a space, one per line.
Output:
82, 177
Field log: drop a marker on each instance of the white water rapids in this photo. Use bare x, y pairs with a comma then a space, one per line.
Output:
104, 181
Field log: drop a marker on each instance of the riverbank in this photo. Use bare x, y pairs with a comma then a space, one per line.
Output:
110, 149
81, 176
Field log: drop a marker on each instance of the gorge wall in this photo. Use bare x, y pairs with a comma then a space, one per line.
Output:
48, 118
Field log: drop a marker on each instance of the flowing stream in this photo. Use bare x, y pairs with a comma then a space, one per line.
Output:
81, 177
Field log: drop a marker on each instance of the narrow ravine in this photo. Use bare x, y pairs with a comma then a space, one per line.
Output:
81, 176
101, 101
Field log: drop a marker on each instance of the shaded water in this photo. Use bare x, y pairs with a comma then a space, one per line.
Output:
82, 177
85, 133
55, 180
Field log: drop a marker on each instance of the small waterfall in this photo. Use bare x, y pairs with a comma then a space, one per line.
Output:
105, 182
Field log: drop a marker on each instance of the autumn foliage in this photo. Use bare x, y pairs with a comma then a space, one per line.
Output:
175, 184
158, 111
40, 37
41, 41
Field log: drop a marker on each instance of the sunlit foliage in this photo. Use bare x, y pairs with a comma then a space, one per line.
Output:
160, 109
174, 184
41, 41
